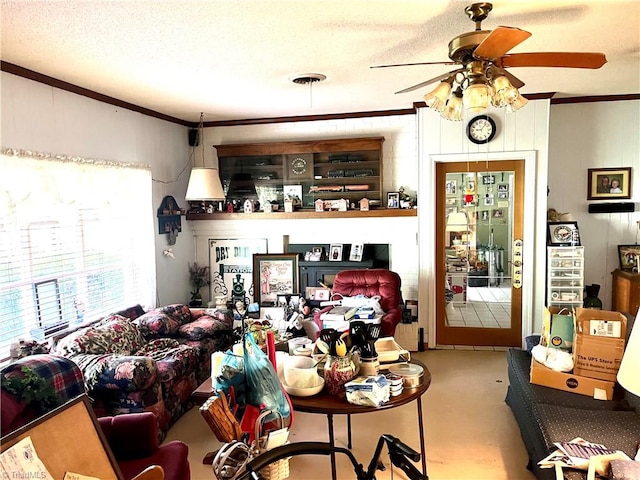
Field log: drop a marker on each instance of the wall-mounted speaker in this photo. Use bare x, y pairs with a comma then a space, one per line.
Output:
618, 207
193, 137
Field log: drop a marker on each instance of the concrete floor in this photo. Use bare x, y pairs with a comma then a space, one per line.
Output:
470, 432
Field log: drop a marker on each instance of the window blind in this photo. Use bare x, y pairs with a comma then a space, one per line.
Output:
76, 243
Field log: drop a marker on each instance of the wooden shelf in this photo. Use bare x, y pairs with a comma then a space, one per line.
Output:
305, 214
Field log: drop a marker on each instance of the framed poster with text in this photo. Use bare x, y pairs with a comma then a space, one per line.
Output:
230, 257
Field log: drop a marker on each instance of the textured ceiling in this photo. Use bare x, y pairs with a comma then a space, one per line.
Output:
233, 59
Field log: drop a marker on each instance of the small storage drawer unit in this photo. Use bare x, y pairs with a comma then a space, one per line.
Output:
565, 276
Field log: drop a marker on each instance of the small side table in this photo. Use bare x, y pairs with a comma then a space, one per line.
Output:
625, 294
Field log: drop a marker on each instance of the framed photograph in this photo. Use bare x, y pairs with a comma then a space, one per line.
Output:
316, 254
503, 187
293, 193
503, 195
608, 183
335, 252
393, 200
451, 187
629, 257
488, 199
273, 275
498, 213
488, 179
356, 252
563, 234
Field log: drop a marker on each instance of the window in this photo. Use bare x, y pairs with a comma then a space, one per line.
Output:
76, 243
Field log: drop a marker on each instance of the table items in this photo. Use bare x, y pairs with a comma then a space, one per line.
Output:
370, 391
412, 374
337, 372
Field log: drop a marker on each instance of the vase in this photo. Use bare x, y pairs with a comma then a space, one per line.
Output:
196, 300
337, 372
591, 299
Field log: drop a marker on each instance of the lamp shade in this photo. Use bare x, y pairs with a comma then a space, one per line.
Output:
629, 372
457, 222
204, 184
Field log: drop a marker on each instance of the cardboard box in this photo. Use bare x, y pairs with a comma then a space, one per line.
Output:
598, 389
599, 343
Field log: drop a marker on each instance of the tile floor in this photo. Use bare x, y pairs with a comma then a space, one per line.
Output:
488, 307
470, 432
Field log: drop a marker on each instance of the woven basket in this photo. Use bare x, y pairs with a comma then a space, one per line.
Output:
277, 470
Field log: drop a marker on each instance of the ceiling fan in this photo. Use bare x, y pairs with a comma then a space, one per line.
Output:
482, 78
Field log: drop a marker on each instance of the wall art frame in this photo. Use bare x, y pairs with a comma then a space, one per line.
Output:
608, 183
629, 256
273, 275
335, 252
563, 234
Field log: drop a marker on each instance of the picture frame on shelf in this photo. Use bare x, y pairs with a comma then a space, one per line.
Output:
355, 255
629, 256
563, 234
273, 275
335, 252
393, 200
316, 254
608, 183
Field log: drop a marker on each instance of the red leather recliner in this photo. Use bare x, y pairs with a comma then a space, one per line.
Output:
372, 282
133, 438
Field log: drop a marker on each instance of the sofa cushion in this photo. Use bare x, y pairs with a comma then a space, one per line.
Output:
617, 430
114, 334
174, 359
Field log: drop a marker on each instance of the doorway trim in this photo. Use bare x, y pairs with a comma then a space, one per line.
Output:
529, 218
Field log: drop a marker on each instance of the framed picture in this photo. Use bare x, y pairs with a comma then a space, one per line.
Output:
451, 187
316, 254
498, 213
273, 275
503, 195
488, 199
488, 179
503, 187
293, 193
629, 257
229, 258
608, 183
335, 252
393, 200
356, 252
563, 234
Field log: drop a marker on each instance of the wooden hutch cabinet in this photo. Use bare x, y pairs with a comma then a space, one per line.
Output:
626, 292
349, 168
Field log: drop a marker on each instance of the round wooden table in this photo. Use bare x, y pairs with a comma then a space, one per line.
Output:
330, 405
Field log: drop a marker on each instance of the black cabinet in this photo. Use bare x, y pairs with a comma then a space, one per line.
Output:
317, 274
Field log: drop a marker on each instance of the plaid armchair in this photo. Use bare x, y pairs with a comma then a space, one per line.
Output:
60, 373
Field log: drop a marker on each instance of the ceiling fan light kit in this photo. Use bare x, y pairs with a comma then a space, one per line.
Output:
481, 79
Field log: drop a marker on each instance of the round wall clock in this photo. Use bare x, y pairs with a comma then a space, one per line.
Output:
481, 129
298, 165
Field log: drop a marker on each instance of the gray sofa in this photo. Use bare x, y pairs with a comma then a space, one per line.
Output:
546, 415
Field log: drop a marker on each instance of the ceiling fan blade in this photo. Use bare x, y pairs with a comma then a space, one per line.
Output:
500, 41
515, 81
432, 80
555, 59
410, 64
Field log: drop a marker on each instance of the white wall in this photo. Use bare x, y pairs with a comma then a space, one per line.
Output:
41, 118
400, 164
595, 135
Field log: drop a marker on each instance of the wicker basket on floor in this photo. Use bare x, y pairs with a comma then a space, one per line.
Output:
278, 470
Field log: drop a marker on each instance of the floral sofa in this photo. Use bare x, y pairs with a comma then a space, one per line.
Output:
135, 361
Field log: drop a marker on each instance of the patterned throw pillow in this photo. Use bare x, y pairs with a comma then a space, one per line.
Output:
203, 327
157, 324
114, 334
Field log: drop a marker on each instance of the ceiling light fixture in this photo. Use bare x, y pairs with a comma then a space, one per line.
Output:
204, 183
308, 79
481, 84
